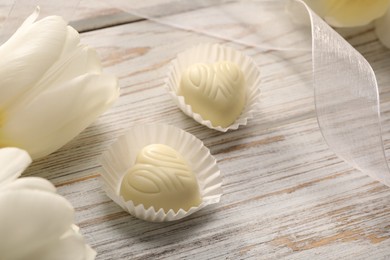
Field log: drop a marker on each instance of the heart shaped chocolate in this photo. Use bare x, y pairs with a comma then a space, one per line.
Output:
161, 178
214, 91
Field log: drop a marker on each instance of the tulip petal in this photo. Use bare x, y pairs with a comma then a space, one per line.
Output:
383, 29
74, 63
29, 220
90, 254
27, 55
59, 114
70, 246
42, 80
13, 162
32, 183
29, 20
72, 41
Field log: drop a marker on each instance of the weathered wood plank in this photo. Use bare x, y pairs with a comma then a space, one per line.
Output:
103, 21
88, 15
286, 195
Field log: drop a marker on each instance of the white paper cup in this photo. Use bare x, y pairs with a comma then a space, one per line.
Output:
211, 53
121, 156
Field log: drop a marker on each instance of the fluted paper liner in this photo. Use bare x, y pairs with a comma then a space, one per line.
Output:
121, 156
211, 53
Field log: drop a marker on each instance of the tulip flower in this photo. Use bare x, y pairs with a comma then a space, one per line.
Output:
352, 13
51, 86
35, 222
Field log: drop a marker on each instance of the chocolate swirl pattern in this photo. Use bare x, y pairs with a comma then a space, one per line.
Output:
214, 91
161, 178
158, 157
228, 78
219, 78
148, 179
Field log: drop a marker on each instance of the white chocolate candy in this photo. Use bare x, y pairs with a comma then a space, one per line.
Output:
161, 178
215, 91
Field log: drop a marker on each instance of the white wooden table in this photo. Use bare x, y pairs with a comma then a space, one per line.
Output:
286, 195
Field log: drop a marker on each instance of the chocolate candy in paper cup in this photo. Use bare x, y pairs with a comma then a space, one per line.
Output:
160, 173
215, 85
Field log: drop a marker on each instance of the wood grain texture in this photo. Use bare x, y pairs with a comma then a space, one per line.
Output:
86, 15
286, 195
85, 8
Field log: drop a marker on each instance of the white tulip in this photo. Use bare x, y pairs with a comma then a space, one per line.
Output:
51, 86
35, 222
352, 13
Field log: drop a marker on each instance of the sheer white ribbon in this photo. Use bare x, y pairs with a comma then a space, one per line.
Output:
345, 86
